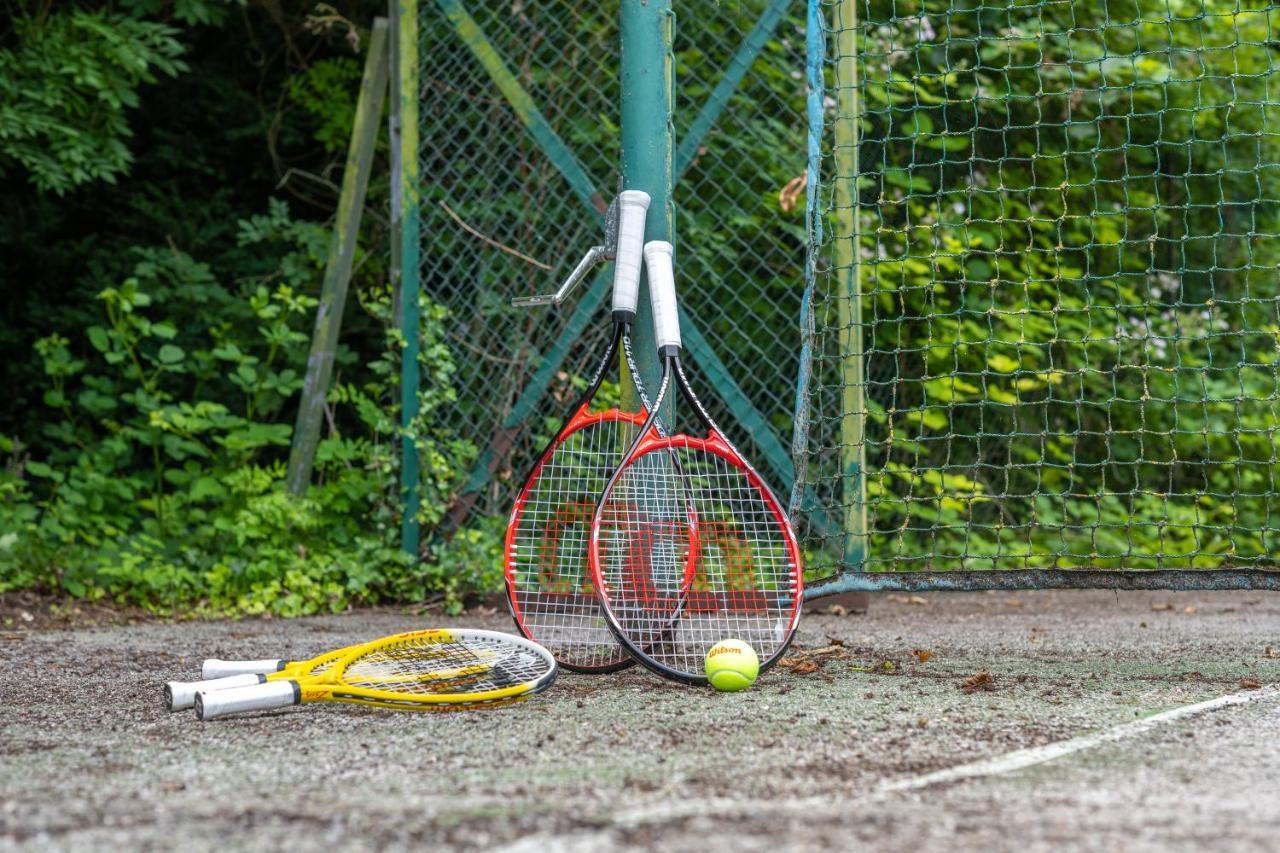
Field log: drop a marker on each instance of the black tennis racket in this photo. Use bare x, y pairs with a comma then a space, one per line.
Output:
688, 544
549, 585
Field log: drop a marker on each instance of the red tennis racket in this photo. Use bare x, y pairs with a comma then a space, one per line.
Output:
688, 544
549, 586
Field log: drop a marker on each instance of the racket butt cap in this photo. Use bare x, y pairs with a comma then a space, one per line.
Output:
181, 695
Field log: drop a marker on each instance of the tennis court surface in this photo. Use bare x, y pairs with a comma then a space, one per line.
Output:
1035, 721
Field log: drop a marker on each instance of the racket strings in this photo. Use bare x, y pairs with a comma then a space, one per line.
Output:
692, 552
476, 665
547, 562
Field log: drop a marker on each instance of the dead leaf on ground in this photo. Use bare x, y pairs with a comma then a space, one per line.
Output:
1189, 609
1162, 605
798, 667
922, 655
1250, 684
1270, 652
978, 681
1013, 602
908, 599
837, 610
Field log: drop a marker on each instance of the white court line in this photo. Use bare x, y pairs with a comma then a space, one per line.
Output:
1007, 763
1023, 758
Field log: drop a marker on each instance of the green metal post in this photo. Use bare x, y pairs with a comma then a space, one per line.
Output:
648, 145
853, 450
393, 135
337, 273
409, 272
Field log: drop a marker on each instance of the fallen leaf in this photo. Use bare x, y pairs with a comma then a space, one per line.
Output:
1189, 609
1270, 653
1250, 684
1163, 605
978, 681
1013, 602
835, 641
837, 610
922, 723
26, 617
915, 599
804, 667
922, 655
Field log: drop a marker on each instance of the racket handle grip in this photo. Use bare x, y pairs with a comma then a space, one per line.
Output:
633, 208
212, 704
181, 695
215, 668
662, 291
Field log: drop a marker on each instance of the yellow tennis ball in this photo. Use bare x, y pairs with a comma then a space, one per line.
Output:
732, 665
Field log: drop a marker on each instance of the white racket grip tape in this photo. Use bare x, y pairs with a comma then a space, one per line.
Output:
633, 208
181, 695
662, 292
211, 704
214, 668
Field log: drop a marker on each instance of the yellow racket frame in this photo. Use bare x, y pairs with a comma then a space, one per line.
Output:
330, 685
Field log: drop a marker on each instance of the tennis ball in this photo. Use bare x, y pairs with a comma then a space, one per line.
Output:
732, 665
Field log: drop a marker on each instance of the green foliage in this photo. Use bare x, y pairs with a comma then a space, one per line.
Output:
190, 12
66, 88
1074, 359
164, 487
324, 92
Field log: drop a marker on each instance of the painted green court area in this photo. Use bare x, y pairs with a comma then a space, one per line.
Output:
881, 731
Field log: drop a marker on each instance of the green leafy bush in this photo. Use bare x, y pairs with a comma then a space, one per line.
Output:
65, 89
164, 487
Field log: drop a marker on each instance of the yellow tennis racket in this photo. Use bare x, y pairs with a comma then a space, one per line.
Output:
217, 668
223, 674
423, 670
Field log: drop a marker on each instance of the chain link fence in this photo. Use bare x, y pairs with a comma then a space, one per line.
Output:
1046, 303
519, 154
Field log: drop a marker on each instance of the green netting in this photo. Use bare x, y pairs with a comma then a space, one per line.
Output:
1045, 266
488, 185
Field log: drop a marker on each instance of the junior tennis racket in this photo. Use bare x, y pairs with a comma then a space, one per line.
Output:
548, 581
420, 671
218, 668
685, 555
221, 674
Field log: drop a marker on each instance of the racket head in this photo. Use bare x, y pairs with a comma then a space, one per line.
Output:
437, 669
549, 582
690, 547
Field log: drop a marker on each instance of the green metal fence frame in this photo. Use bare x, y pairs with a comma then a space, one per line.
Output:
852, 577
777, 457
645, 25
